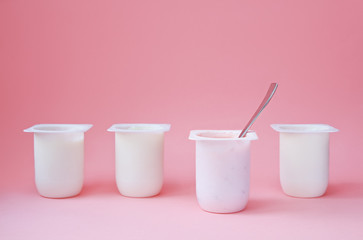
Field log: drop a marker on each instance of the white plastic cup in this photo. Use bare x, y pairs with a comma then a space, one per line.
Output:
59, 158
222, 169
139, 152
304, 158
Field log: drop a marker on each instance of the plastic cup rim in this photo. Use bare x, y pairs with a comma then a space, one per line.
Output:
58, 128
304, 128
222, 135
139, 127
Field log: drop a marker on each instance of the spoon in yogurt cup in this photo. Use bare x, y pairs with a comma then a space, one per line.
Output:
271, 91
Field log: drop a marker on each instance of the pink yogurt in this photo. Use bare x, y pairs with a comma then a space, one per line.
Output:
222, 169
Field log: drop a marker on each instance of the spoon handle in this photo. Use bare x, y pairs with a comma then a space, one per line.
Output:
263, 104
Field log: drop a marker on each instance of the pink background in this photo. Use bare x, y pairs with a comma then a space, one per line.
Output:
196, 65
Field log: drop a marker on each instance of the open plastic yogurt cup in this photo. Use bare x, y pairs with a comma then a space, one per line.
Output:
139, 152
59, 158
222, 169
304, 158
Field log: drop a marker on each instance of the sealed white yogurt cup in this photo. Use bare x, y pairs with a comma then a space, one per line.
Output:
222, 169
304, 158
139, 150
59, 158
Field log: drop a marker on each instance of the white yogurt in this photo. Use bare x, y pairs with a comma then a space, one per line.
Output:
304, 158
58, 158
139, 150
222, 169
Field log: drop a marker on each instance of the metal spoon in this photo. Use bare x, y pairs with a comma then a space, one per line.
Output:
262, 106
